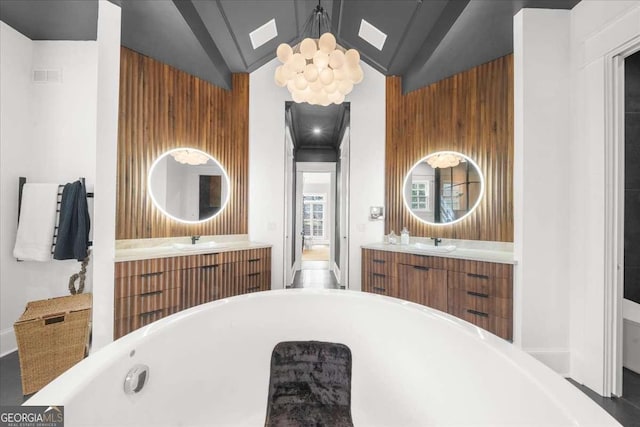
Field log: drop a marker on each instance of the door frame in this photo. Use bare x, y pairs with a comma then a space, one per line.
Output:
321, 167
614, 215
288, 268
345, 166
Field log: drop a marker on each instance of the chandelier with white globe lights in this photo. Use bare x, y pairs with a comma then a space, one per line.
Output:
318, 70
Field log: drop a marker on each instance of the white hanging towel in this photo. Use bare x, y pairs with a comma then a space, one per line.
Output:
37, 222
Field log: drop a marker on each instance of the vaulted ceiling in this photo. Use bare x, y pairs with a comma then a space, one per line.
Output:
426, 40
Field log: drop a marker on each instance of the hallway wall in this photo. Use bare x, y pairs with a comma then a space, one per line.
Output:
267, 164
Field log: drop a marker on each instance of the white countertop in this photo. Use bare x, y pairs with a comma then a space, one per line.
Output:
477, 251
135, 250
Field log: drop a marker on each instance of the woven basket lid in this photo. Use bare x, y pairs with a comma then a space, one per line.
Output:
48, 307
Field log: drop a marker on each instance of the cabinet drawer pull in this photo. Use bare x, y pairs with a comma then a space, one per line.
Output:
209, 267
150, 313
254, 260
253, 274
379, 261
377, 289
478, 313
478, 294
478, 276
419, 267
253, 288
148, 294
378, 275
157, 273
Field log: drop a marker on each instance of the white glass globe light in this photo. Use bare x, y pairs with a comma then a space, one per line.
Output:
279, 78
326, 76
300, 82
308, 48
336, 59
321, 59
327, 42
284, 52
298, 62
311, 73
352, 57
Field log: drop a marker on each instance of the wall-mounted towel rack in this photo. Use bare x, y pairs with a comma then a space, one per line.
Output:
23, 180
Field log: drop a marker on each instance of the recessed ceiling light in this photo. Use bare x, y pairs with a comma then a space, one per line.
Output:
372, 35
263, 34
317, 130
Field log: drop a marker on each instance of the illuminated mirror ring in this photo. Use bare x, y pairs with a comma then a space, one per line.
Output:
188, 185
443, 188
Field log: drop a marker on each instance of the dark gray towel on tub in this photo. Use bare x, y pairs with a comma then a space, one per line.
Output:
73, 229
310, 385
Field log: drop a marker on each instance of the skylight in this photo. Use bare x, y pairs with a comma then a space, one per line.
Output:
263, 34
372, 35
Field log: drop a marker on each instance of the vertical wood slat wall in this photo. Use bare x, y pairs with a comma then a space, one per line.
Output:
163, 108
472, 113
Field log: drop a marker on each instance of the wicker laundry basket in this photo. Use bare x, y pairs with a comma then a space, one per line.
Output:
52, 336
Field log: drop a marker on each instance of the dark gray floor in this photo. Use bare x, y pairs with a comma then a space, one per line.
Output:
625, 409
10, 382
315, 274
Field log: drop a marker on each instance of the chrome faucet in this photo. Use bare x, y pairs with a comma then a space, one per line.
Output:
193, 239
436, 241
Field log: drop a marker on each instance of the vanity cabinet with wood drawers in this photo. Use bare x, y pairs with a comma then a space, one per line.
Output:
148, 290
477, 291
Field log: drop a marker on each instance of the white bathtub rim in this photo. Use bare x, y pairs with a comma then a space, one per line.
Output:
576, 406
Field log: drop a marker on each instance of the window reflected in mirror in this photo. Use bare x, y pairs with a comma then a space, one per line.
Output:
443, 188
188, 185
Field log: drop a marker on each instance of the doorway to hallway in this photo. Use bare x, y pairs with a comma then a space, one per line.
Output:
316, 195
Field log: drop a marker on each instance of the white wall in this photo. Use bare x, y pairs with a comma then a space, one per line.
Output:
48, 134
541, 190
15, 87
597, 27
108, 41
366, 166
267, 164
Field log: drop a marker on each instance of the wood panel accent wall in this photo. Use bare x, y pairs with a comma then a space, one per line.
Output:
163, 108
472, 113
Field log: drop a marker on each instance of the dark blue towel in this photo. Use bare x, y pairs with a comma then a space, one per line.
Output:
73, 229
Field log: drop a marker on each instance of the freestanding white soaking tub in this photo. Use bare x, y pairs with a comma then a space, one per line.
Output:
411, 366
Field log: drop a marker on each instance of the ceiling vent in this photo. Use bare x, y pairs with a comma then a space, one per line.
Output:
263, 34
372, 35
47, 76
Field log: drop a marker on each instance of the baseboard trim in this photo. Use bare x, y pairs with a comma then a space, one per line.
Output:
556, 359
8, 342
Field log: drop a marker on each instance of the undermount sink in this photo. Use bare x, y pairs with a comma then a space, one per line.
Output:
196, 247
432, 248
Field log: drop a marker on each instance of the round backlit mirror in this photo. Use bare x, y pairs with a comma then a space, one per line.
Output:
443, 188
188, 185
